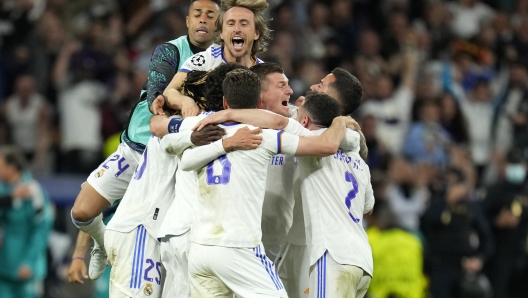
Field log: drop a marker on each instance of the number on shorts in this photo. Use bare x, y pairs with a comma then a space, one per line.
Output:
120, 166
349, 177
151, 265
226, 171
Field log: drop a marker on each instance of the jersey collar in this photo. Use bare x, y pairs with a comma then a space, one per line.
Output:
254, 58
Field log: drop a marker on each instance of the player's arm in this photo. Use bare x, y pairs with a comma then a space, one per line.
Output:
243, 139
174, 98
255, 117
77, 271
162, 68
325, 144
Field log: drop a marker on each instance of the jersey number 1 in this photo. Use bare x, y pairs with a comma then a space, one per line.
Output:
226, 171
349, 177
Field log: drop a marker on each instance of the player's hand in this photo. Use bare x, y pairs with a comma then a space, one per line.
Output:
207, 135
24, 272
21, 192
189, 108
157, 105
77, 272
243, 139
299, 102
213, 119
351, 123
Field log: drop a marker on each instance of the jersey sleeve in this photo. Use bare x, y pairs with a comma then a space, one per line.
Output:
162, 68
279, 141
195, 62
296, 128
369, 198
198, 157
350, 141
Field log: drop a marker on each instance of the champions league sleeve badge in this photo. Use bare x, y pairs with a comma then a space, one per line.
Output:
198, 60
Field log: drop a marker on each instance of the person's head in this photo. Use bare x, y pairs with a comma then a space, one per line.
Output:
243, 28
194, 87
318, 111
201, 22
25, 86
241, 90
275, 91
213, 85
12, 164
430, 111
384, 86
515, 171
481, 91
342, 86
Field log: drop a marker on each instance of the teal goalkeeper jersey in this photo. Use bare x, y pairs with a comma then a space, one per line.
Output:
164, 64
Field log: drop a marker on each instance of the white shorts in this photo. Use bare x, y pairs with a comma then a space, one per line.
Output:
331, 279
136, 264
294, 270
174, 252
112, 177
217, 271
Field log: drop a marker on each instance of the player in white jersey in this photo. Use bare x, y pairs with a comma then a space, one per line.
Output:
336, 192
243, 33
226, 252
131, 235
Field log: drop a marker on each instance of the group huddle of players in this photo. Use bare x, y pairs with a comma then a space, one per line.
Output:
226, 189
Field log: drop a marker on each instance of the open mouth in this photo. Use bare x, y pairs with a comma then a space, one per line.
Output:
285, 103
201, 31
238, 42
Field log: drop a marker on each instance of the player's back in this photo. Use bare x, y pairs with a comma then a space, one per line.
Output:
336, 191
231, 193
149, 193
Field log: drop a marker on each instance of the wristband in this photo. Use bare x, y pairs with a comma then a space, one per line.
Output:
174, 125
78, 258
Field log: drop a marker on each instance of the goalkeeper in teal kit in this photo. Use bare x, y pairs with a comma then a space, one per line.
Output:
26, 219
109, 181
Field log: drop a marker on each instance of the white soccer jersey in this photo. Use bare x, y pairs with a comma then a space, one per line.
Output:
151, 188
336, 192
209, 59
181, 208
231, 189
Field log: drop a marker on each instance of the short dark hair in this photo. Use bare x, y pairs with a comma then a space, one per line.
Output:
13, 157
264, 69
213, 86
215, 1
349, 90
321, 108
241, 89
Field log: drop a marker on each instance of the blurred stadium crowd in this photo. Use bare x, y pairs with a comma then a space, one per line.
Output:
445, 114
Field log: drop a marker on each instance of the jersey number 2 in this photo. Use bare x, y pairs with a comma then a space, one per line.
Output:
349, 177
226, 171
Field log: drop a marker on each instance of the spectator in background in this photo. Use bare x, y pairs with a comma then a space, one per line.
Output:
368, 62
29, 116
398, 256
79, 98
453, 120
376, 151
25, 229
449, 226
478, 110
392, 108
468, 15
314, 36
427, 140
506, 206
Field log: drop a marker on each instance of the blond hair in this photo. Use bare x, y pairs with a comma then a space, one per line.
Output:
261, 23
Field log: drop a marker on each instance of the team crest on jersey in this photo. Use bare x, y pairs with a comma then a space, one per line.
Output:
99, 173
148, 290
307, 291
198, 60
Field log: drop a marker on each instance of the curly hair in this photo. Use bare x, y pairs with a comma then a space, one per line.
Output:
261, 23
194, 87
213, 86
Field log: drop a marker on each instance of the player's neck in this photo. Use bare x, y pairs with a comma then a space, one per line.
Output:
246, 60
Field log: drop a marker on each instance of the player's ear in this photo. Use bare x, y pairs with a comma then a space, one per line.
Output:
259, 103
224, 103
306, 121
187, 21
